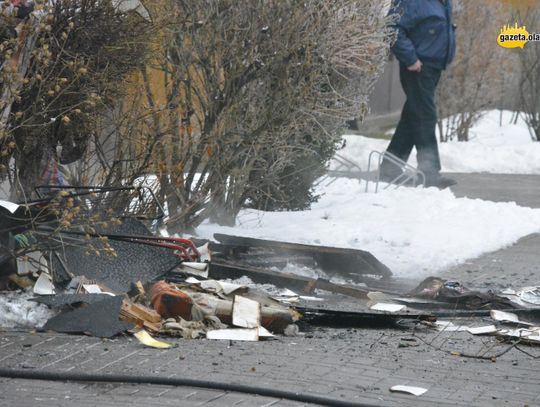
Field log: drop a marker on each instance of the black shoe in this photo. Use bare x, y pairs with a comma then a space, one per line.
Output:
440, 182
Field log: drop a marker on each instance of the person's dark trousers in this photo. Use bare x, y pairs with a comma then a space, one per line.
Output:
417, 124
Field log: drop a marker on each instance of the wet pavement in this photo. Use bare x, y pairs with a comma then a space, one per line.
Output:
354, 365
524, 190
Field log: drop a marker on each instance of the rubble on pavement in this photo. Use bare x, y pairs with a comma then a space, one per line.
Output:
155, 286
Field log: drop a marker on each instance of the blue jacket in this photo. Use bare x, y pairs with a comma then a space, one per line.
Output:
425, 32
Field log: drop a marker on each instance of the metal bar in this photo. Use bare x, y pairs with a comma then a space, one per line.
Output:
173, 243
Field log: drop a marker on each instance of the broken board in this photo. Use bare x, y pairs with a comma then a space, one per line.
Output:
221, 269
358, 319
348, 263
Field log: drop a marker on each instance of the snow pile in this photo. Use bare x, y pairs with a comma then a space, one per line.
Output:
414, 231
16, 311
506, 149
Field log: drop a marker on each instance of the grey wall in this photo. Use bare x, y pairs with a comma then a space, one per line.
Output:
387, 96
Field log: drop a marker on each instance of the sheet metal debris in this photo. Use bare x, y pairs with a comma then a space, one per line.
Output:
449, 326
223, 269
198, 269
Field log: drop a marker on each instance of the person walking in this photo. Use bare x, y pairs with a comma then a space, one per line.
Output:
425, 46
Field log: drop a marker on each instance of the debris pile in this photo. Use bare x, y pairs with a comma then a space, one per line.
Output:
151, 285
505, 325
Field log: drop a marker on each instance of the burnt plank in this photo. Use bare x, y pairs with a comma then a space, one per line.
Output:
365, 319
221, 269
343, 261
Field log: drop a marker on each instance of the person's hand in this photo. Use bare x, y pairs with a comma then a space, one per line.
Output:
416, 67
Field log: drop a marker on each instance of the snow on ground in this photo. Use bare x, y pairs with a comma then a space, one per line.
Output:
506, 149
17, 312
414, 231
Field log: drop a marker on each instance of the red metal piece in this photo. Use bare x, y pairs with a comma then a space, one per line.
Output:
170, 303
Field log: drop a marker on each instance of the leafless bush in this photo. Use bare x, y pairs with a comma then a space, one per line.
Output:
246, 102
75, 55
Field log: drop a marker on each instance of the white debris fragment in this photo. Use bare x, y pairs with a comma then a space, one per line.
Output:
10, 206
482, 330
17, 311
386, 307
449, 326
246, 312
530, 295
239, 334
44, 285
507, 317
416, 391
132, 5
198, 269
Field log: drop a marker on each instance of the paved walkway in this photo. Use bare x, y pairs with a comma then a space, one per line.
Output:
522, 189
516, 266
355, 365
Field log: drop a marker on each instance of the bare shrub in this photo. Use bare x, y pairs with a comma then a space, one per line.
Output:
66, 67
246, 102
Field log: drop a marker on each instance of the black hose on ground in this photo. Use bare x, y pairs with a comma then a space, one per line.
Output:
176, 381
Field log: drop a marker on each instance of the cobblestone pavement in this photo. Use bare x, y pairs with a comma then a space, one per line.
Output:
522, 189
516, 266
356, 365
